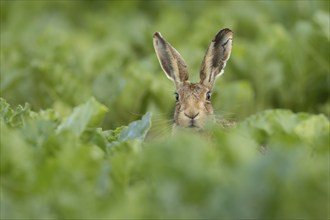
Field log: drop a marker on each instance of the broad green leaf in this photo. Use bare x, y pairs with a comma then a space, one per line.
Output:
137, 129
88, 114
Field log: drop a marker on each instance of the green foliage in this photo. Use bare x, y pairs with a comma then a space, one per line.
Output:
80, 159
272, 165
67, 52
82, 116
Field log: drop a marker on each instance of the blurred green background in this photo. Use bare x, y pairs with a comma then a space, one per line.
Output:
57, 54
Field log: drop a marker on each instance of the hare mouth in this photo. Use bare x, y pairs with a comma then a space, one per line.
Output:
192, 124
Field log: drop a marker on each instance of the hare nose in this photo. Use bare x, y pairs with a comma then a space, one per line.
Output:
192, 115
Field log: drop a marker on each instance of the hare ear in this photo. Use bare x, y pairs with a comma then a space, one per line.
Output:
170, 60
216, 57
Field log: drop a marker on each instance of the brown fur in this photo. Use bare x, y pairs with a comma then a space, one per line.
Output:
193, 107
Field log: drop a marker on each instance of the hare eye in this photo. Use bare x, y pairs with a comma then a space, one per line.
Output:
208, 95
176, 96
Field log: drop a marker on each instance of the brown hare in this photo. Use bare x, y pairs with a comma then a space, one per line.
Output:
193, 100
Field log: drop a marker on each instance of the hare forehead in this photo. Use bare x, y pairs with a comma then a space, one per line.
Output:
193, 90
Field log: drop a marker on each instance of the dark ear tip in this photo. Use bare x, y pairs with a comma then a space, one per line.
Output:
226, 32
157, 34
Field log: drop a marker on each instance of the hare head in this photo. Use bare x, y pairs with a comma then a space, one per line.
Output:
193, 100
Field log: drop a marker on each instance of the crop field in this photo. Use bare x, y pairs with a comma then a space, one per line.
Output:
86, 111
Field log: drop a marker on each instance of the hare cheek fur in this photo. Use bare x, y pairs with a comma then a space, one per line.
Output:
193, 105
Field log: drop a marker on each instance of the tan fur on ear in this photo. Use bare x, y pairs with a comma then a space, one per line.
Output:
216, 57
170, 60
193, 105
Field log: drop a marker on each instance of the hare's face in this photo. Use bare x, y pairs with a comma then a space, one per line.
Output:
193, 105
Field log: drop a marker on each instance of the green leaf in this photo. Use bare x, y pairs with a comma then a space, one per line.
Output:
286, 127
88, 114
137, 129
113, 135
14, 117
315, 131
